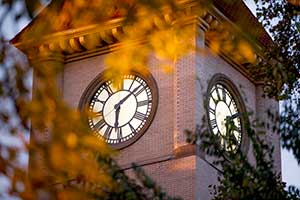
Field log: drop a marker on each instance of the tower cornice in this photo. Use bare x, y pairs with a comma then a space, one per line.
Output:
98, 39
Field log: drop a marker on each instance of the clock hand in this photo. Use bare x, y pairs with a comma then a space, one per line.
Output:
108, 113
233, 116
118, 105
117, 117
126, 97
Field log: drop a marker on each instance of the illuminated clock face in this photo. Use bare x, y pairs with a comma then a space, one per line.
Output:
121, 113
224, 117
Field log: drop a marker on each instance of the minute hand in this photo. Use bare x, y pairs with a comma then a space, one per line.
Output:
127, 96
233, 116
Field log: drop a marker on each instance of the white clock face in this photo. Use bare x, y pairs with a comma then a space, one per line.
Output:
119, 113
224, 117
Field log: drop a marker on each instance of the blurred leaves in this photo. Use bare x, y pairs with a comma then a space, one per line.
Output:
223, 40
281, 64
32, 6
68, 162
290, 124
241, 179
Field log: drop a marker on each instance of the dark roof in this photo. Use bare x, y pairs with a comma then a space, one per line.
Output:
63, 15
53, 7
241, 15
237, 12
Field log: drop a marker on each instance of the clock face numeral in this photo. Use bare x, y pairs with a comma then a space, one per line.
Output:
224, 117
139, 91
229, 104
98, 114
119, 132
120, 85
223, 94
98, 100
143, 103
99, 125
108, 89
213, 123
214, 96
120, 112
234, 139
212, 111
134, 81
108, 131
218, 93
131, 128
238, 129
139, 116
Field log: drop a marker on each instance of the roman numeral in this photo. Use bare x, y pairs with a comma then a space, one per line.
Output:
224, 95
236, 142
211, 110
218, 94
238, 129
140, 91
107, 132
213, 123
120, 85
230, 102
98, 100
131, 128
143, 103
99, 125
140, 116
212, 96
108, 89
133, 80
119, 132
215, 100
97, 114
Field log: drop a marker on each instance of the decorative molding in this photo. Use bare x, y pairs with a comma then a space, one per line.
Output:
149, 161
46, 57
185, 151
99, 39
181, 152
101, 50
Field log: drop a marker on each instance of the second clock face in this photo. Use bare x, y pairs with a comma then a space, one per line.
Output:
120, 113
224, 117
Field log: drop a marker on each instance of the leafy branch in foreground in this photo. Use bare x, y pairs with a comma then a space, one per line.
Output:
290, 124
242, 179
282, 57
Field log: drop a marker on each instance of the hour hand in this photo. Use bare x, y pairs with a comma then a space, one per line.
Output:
117, 116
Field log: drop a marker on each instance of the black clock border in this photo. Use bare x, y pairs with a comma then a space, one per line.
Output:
226, 82
93, 87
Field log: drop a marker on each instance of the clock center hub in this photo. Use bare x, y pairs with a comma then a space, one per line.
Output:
222, 111
127, 108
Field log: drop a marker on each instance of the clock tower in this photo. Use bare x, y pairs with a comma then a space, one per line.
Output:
144, 115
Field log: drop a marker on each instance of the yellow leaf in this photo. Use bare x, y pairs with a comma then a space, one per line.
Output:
246, 51
57, 157
74, 163
168, 69
71, 140
215, 46
294, 2
94, 143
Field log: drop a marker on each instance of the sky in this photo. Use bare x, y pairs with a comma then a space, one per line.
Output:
290, 168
